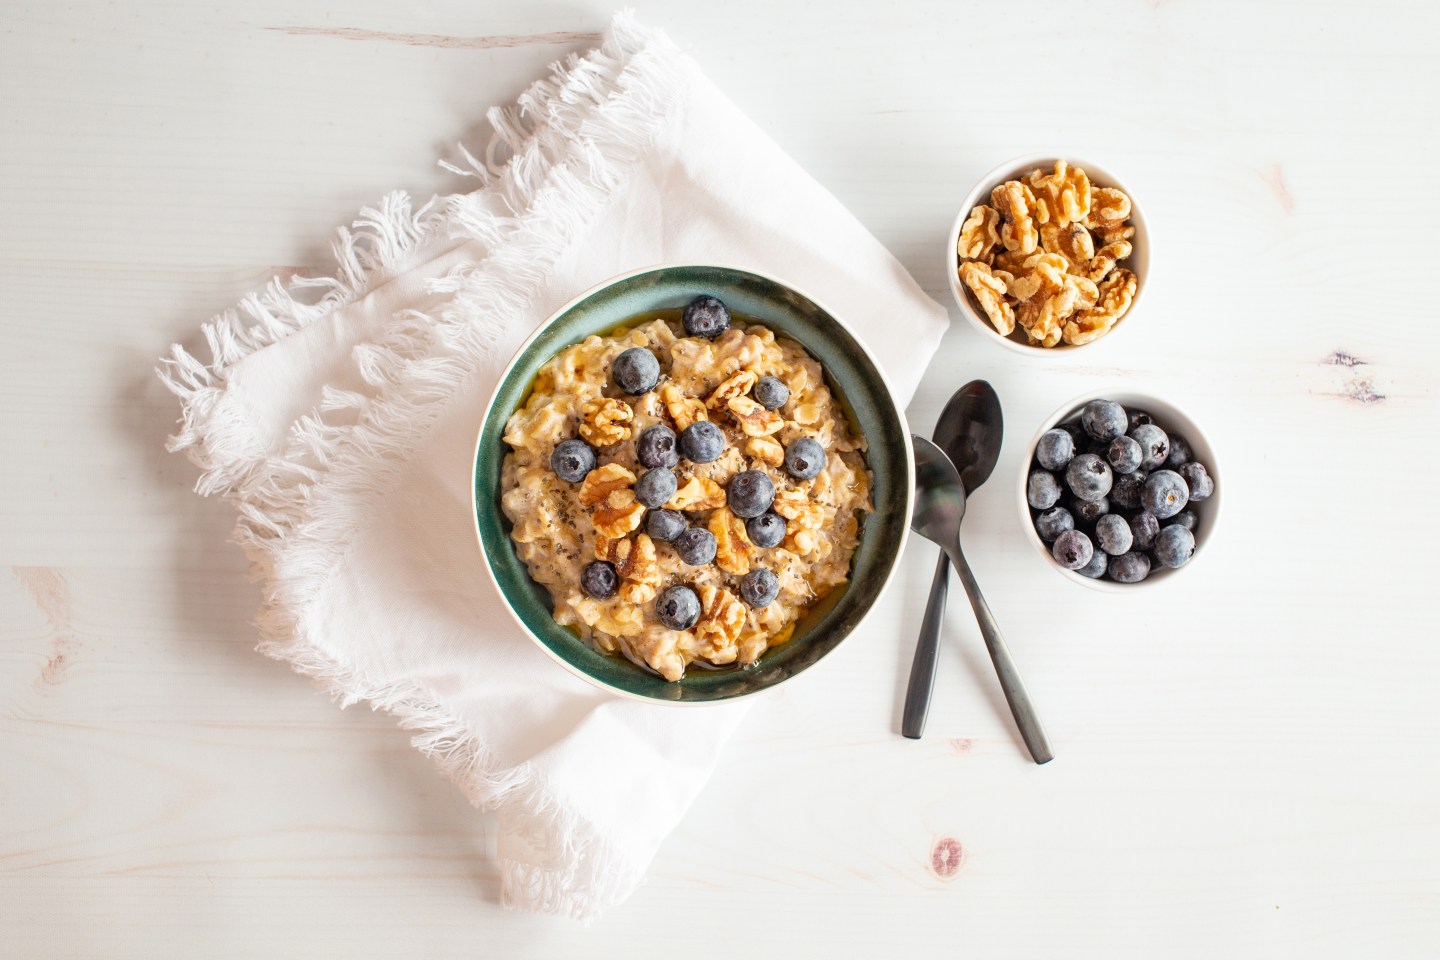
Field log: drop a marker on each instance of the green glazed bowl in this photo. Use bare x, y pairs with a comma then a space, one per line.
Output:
852, 374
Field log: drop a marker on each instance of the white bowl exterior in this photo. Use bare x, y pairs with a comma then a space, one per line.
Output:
1138, 263
1169, 417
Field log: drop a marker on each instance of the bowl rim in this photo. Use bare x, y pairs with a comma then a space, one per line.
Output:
1008, 171
908, 481
1200, 443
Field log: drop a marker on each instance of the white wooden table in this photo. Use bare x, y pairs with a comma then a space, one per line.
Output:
1246, 762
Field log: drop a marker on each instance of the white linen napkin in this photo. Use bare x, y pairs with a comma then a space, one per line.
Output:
340, 414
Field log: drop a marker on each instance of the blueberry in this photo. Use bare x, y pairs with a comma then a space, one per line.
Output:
1112, 532
1144, 527
696, 546
770, 393
599, 580
1078, 436
702, 442
1138, 417
635, 371
1186, 519
1174, 546
804, 459
655, 487
1154, 443
750, 493
1089, 477
1129, 567
766, 530
1054, 449
678, 607
1042, 491
1089, 512
1124, 455
656, 447
1199, 480
1164, 494
1073, 550
1104, 419
1126, 489
571, 460
664, 525
1095, 569
706, 317
1180, 452
1054, 522
759, 587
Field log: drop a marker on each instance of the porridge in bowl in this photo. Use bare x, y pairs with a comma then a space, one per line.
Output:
685, 488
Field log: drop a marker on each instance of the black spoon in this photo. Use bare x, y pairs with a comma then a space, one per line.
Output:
969, 433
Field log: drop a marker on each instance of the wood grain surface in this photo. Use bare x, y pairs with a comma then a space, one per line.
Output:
1246, 759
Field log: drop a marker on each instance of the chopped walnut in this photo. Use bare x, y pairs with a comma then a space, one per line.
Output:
733, 549
1045, 274
989, 290
1105, 259
801, 541
1107, 204
619, 514
1073, 242
1062, 197
697, 493
980, 234
766, 450
682, 409
1043, 317
602, 481
754, 420
722, 616
1015, 201
736, 386
605, 421
1115, 297
636, 564
1115, 231
799, 509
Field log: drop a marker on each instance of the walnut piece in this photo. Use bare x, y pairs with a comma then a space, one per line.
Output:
800, 510
619, 514
766, 450
980, 234
1115, 297
697, 493
1073, 242
1015, 201
722, 616
1062, 197
605, 421
1105, 259
602, 481
1107, 204
1043, 317
754, 420
1044, 274
733, 549
682, 409
736, 386
989, 291
635, 562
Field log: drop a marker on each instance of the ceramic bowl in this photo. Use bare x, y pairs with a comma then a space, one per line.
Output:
1138, 263
852, 373
1169, 418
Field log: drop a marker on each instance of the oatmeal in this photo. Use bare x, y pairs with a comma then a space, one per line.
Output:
686, 489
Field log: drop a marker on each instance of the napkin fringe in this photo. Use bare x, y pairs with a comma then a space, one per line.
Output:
572, 138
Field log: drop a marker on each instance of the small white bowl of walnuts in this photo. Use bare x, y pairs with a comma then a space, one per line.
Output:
1048, 254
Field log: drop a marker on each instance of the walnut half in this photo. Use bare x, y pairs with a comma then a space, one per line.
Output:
733, 549
603, 481
635, 562
605, 421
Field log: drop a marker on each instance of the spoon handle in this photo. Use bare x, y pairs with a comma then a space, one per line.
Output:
927, 650
1010, 683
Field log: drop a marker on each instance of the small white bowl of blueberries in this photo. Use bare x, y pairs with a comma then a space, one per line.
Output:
1119, 490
